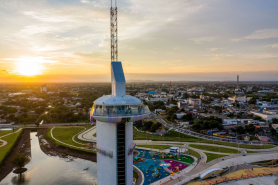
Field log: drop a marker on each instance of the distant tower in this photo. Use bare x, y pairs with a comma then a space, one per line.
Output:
170, 93
43, 88
115, 115
237, 81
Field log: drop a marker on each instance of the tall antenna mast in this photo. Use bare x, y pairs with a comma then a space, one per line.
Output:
114, 32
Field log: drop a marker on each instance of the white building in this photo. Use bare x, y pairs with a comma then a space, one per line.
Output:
115, 115
227, 122
195, 102
239, 99
265, 116
43, 88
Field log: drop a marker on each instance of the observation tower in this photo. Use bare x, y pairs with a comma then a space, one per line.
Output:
115, 115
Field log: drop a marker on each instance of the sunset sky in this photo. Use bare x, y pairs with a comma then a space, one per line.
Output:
69, 40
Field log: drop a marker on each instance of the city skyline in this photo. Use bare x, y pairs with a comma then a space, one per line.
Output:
51, 41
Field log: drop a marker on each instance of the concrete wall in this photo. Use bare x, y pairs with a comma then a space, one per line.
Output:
106, 167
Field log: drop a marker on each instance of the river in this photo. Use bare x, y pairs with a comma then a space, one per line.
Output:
49, 170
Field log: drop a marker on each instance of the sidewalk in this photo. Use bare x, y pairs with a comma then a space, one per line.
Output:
5, 142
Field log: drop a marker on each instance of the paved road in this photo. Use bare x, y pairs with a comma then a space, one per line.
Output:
222, 164
195, 134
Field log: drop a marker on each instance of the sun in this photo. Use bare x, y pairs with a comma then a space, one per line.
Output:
29, 68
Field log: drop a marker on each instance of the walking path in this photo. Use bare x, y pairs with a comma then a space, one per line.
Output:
66, 143
88, 135
222, 164
5, 142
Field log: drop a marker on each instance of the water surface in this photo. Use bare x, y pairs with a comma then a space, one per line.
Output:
48, 170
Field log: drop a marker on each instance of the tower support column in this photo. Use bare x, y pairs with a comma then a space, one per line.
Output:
118, 139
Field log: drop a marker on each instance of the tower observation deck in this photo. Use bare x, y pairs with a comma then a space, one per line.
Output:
115, 115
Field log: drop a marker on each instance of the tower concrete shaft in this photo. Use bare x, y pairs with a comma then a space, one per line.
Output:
237, 80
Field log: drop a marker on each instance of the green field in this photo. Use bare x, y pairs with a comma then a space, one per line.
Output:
65, 134
170, 136
215, 148
250, 152
5, 150
180, 137
211, 156
194, 153
4, 132
155, 146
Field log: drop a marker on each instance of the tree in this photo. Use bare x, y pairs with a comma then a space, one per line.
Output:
148, 125
258, 118
250, 128
63, 94
185, 96
20, 160
187, 117
252, 101
240, 130
274, 120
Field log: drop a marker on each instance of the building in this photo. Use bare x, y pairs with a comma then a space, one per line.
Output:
275, 126
263, 138
239, 99
115, 115
227, 122
43, 88
265, 116
195, 102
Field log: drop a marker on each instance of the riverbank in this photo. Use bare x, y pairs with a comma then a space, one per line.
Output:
50, 148
21, 146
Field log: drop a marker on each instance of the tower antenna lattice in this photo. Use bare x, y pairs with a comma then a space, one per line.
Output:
114, 32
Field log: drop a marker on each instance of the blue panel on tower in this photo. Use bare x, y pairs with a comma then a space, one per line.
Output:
118, 71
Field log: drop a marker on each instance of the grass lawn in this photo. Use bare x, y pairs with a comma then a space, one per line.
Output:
5, 150
215, 148
170, 136
95, 134
195, 154
250, 152
135, 175
65, 134
4, 132
211, 156
155, 146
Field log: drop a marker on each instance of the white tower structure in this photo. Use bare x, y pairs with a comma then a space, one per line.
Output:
115, 115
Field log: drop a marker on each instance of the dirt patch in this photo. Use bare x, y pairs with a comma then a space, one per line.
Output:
50, 148
22, 145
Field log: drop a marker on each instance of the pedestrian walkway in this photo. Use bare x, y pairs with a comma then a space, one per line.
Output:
238, 175
5, 142
88, 135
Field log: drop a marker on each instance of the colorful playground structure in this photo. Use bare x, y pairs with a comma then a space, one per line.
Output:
160, 164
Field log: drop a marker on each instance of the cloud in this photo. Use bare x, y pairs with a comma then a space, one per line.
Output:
263, 34
85, 1
259, 34
201, 40
214, 49
272, 45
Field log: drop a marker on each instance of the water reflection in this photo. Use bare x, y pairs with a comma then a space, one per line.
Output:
46, 170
